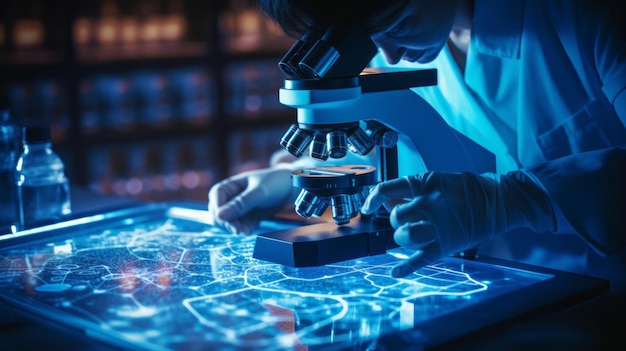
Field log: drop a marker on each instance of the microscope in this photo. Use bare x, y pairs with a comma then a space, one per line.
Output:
341, 108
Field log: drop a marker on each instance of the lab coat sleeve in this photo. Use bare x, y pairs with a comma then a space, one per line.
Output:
604, 29
590, 190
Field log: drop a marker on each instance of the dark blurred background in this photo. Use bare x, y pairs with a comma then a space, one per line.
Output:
151, 99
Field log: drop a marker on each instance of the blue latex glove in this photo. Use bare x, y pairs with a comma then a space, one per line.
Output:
240, 202
440, 214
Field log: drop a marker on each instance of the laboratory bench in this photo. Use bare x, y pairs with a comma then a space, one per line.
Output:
597, 322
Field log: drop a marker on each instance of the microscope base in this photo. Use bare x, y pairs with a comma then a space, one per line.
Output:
324, 243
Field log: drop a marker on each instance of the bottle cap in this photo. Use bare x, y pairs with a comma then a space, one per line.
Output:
35, 134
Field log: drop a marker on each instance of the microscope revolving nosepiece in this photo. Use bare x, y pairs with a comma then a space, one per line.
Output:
341, 187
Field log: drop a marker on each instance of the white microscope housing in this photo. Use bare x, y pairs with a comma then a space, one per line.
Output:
339, 110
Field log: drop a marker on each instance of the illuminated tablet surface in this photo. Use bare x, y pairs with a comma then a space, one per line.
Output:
168, 282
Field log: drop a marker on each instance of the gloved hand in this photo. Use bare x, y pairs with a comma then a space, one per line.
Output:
445, 213
240, 202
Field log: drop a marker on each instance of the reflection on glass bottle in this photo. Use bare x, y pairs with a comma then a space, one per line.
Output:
8, 150
42, 187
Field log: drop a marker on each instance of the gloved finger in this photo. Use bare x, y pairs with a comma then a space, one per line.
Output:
384, 192
415, 235
391, 204
241, 204
408, 212
234, 197
421, 258
225, 190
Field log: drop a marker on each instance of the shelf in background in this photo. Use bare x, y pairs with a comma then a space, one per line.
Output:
144, 132
29, 58
120, 81
147, 51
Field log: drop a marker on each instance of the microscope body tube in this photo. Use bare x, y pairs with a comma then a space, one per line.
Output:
425, 141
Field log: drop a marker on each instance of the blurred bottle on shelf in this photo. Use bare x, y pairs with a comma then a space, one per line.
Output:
192, 94
24, 101
252, 89
28, 33
116, 105
242, 27
132, 28
152, 98
155, 171
43, 190
8, 153
83, 31
28, 29
250, 150
174, 22
245, 29
89, 115
52, 107
3, 35
107, 26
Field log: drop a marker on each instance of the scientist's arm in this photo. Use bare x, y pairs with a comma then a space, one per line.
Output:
603, 32
440, 214
445, 213
239, 203
590, 190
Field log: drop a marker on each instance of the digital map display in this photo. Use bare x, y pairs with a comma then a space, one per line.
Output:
169, 282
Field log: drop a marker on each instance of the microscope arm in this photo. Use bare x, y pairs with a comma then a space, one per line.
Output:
426, 141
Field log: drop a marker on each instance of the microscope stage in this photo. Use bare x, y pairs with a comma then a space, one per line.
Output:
324, 243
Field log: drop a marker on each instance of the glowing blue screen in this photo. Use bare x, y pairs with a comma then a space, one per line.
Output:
174, 283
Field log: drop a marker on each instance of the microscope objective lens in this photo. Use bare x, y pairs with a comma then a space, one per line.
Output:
360, 143
342, 209
318, 146
298, 142
337, 144
309, 204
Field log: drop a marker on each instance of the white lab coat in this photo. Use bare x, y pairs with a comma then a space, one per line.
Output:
544, 89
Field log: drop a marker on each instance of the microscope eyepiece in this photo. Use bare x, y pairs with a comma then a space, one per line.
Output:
334, 53
289, 64
319, 60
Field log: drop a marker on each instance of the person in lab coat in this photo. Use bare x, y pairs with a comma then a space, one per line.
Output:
541, 84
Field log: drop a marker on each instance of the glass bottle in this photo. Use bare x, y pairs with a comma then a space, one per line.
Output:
43, 190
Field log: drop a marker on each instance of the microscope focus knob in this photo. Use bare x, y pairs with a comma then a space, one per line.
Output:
381, 135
